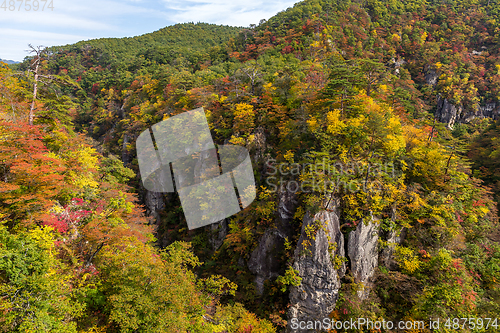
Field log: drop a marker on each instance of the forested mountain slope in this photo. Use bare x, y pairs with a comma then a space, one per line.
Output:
9, 61
368, 125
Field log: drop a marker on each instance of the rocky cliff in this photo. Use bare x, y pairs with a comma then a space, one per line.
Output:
264, 263
322, 258
449, 113
315, 260
362, 249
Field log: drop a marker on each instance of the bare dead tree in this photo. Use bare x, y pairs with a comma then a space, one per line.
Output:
41, 53
35, 67
252, 71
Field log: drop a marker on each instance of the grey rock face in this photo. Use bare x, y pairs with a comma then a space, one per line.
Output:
448, 113
489, 110
154, 203
264, 262
217, 233
478, 53
431, 77
287, 203
399, 62
363, 253
451, 114
316, 296
393, 238
260, 143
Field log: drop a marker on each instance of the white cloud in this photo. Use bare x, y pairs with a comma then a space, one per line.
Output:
52, 20
239, 13
17, 41
75, 20
89, 15
16, 33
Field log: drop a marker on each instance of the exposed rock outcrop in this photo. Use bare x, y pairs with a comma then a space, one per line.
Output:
260, 143
263, 262
451, 114
489, 110
154, 203
431, 77
393, 238
314, 258
397, 64
217, 233
287, 203
363, 253
448, 113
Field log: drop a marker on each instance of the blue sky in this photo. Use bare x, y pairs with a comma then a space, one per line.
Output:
73, 20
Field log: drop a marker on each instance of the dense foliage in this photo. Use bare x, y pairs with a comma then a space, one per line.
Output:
76, 251
327, 83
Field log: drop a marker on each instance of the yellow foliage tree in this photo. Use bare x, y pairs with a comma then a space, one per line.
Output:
244, 117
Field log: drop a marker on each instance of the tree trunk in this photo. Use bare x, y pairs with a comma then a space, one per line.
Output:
35, 87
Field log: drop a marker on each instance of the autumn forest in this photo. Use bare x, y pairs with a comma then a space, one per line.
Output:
390, 108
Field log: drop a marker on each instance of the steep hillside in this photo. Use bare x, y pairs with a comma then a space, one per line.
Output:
358, 116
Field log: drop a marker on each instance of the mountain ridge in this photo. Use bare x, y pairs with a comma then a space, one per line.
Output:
10, 62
